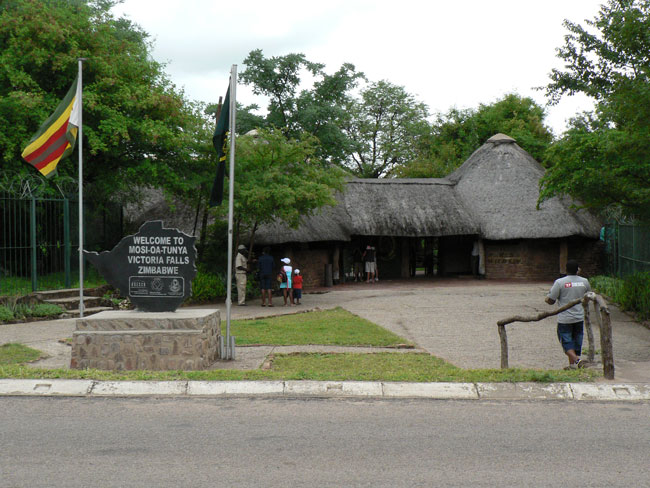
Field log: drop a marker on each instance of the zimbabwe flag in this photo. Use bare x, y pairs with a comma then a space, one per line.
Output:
57, 136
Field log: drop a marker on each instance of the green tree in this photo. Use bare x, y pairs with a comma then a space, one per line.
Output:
454, 136
384, 125
318, 110
602, 160
279, 178
138, 129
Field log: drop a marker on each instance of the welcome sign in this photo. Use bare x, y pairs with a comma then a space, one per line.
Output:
154, 267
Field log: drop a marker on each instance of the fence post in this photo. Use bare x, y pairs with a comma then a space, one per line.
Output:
590, 332
32, 232
606, 347
504, 346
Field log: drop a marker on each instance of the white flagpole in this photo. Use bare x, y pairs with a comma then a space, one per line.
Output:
81, 211
230, 353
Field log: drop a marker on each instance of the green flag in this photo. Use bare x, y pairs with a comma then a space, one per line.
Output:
219, 141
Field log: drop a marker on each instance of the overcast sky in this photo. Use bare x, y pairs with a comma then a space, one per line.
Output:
457, 53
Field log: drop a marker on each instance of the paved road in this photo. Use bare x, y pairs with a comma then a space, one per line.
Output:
115, 442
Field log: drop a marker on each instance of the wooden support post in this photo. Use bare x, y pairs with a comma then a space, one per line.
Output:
590, 332
504, 346
599, 318
606, 348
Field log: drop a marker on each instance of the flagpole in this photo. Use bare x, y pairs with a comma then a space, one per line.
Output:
81, 211
230, 348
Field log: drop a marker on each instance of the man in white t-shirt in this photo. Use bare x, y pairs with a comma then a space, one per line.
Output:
570, 322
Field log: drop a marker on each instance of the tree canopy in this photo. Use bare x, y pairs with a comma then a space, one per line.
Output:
138, 128
280, 178
318, 110
454, 136
383, 125
603, 158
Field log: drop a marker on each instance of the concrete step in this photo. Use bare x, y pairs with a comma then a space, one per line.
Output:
87, 311
72, 303
47, 295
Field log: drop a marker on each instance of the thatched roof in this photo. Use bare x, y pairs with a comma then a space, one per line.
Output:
406, 207
499, 185
326, 224
386, 207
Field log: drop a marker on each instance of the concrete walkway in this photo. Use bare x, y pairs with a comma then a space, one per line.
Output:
453, 319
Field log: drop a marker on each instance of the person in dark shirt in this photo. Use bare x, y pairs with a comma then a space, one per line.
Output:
265, 265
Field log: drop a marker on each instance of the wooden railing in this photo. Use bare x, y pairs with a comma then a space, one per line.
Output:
604, 322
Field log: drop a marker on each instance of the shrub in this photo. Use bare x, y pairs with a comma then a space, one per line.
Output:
46, 310
208, 286
5, 314
635, 294
607, 285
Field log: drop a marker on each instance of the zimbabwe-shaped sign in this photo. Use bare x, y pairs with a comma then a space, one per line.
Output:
154, 267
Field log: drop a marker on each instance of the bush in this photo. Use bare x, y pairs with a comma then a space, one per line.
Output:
46, 310
631, 293
635, 295
607, 285
5, 314
208, 286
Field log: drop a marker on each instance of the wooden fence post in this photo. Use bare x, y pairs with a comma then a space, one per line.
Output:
590, 332
606, 347
504, 346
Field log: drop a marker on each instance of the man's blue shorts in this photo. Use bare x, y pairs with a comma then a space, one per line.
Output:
570, 336
265, 282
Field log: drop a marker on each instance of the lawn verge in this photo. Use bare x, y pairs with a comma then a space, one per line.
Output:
409, 367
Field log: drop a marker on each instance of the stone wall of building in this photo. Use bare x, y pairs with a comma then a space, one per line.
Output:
539, 259
130, 340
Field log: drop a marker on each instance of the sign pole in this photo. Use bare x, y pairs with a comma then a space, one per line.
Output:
81, 213
230, 343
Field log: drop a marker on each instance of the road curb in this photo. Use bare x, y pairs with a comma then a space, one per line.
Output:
333, 389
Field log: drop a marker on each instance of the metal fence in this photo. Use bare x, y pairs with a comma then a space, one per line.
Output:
39, 241
627, 247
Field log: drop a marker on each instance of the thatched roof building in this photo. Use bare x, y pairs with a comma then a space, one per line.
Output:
491, 198
493, 195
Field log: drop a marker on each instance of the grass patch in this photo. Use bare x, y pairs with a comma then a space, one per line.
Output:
13, 354
412, 367
328, 327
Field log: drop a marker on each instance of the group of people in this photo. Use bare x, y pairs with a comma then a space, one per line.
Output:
366, 261
289, 279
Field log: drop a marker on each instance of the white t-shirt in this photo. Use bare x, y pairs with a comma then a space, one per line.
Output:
565, 290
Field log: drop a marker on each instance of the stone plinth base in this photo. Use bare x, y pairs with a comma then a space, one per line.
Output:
128, 340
